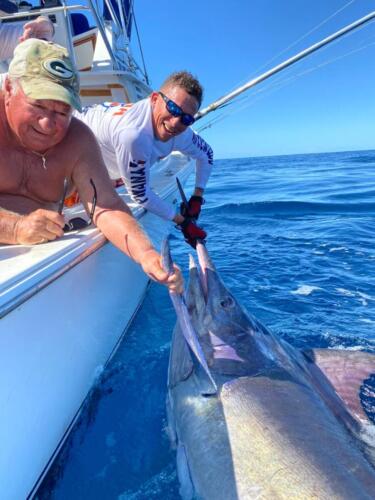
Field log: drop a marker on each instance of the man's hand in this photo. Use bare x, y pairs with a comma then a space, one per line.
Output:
41, 28
152, 266
192, 232
195, 204
39, 227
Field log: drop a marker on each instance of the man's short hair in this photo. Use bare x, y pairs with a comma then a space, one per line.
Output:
186, 81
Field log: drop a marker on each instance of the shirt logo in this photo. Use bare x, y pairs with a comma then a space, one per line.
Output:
138, 181
58, 68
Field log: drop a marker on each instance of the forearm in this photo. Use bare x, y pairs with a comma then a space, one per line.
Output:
151, 202
203, 172
8, 227
121, 229
192, 145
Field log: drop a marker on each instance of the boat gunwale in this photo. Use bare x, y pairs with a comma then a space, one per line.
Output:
20, 287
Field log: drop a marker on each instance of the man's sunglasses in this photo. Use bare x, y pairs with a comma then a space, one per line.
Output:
176, 111
77, 222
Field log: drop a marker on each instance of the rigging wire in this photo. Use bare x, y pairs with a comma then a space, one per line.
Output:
275, 81
131, 10
291, 68
128, 16
293, 44
308, 33
278, 83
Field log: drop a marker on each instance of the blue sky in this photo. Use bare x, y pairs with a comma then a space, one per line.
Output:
330, 107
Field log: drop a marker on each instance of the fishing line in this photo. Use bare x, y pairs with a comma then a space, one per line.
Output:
254, 80
293, 44
279, 83
322, 23
131, 10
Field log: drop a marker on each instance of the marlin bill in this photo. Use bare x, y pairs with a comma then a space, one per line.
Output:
260, 419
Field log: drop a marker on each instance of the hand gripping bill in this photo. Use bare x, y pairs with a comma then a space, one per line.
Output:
190, 230
192, 233
194, 206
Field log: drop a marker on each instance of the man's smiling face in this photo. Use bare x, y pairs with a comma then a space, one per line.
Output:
38, 124
165, 125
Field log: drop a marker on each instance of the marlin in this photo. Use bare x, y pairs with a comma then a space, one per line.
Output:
258, 419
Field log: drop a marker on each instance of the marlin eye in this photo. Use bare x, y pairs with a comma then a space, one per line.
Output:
228, 302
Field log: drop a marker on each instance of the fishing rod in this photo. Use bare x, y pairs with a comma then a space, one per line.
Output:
276, 69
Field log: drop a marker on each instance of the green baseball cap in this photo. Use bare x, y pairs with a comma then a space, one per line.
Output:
45, 71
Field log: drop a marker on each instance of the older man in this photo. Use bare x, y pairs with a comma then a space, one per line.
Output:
41, 145
133, 136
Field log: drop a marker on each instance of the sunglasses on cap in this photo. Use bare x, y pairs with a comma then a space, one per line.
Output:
78, 222
177, 112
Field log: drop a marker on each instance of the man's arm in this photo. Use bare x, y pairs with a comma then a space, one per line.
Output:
197, 148
8, 224
194, 146
133, 152
38, 227
112, 216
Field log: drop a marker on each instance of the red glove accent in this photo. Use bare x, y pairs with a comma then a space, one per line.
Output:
192, 232
195, 204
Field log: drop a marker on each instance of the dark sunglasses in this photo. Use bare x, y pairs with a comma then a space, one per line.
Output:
77, 222
176, 111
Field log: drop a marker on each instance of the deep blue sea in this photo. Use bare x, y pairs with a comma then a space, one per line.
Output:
294, 239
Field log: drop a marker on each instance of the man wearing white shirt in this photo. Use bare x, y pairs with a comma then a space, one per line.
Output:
134, 136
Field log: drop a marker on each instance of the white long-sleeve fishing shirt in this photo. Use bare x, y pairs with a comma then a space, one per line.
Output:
129, 147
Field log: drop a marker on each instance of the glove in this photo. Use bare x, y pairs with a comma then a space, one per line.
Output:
194, 207
192, 232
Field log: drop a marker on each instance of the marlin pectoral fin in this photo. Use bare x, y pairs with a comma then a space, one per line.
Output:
352, 375
180, 362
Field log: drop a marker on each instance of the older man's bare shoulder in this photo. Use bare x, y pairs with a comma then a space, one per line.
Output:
79, 131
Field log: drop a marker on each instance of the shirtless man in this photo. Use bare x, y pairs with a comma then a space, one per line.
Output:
41, 145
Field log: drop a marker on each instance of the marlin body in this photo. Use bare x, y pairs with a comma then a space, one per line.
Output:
270, 422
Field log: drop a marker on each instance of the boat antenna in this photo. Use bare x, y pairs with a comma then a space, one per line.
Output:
228, 97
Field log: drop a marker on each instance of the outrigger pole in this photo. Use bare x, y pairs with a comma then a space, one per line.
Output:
228, 97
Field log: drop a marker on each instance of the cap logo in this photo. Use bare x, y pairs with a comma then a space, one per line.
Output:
58, 68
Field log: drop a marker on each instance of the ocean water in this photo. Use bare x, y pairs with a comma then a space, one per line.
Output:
293, 239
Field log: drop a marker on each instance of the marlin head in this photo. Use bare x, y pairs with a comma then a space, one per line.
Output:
235, 344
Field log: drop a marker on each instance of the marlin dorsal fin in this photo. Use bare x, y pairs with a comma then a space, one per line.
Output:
349, 373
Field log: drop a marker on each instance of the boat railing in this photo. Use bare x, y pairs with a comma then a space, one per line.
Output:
99, 45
